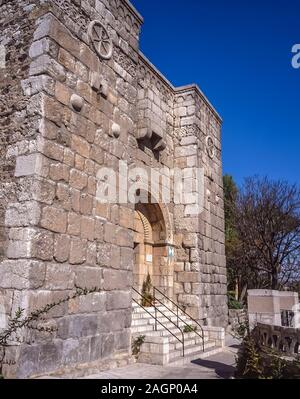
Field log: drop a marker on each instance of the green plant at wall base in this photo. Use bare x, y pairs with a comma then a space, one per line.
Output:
189, 328
147, 297
232, 302
136, 345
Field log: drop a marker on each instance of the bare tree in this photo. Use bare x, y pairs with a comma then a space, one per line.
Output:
267, 221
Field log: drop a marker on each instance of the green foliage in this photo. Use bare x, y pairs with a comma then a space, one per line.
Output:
189, 328
232, 244
232, 302
230, 195
248, 361
147, 299
136, 345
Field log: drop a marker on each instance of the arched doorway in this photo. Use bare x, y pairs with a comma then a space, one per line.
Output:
153, 253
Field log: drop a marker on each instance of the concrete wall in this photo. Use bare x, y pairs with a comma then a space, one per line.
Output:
265, 306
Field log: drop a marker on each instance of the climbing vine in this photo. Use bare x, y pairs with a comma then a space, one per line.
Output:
18, 323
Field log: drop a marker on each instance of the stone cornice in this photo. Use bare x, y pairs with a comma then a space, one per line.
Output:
133, 10
195, 88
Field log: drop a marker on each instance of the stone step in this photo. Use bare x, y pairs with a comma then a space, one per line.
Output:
180, 361
189, 350
188, 341
160, 310
164, 329
190, 338
163, 320
165, 313
151, 309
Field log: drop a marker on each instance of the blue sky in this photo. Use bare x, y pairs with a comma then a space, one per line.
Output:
239, 53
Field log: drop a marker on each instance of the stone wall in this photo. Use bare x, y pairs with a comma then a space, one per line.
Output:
65, 113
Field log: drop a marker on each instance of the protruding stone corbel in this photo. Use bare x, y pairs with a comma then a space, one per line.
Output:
99, 84
144, 133
161, 145
76, 102
116, 130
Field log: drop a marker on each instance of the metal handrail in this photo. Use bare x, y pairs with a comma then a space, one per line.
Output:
157, 321
176, 314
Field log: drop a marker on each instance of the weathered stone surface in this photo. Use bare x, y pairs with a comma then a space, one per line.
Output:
22, 274
26, 165
54, 219
88, 304
42, 245
59, 277
77, 251
116, 279
89, 277
118, 300
61, 247
66, 114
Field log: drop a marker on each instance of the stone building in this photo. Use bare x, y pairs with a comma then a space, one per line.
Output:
76, 94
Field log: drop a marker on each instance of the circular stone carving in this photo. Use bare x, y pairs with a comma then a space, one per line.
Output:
101, 40
210, 147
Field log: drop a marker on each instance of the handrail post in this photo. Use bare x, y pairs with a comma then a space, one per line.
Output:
155, 309
177, 318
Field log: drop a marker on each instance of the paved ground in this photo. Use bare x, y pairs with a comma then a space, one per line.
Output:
219, 366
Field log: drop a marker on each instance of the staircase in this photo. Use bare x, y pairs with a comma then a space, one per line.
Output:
196, 344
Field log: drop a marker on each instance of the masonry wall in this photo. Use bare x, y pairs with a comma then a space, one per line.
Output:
60, 237
67, 113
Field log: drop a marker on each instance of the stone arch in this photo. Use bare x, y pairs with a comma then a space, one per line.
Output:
153, 238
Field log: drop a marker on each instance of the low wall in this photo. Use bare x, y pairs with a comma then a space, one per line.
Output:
216, 334
236, 317
154, 350
283, 339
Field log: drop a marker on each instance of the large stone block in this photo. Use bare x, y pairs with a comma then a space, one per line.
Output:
89, 277
22, 274
77, 251
26, 165
116, 279
22, 214
94, 302
59, 277
42, 245
54, 219
118, 300
189, 277
61, 247
76, 351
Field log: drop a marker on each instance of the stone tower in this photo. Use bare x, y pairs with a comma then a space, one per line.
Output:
77, 95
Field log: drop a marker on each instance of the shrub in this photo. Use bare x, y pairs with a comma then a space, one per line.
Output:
255, 361
232, 302
147, 299
136, 345
189, 328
